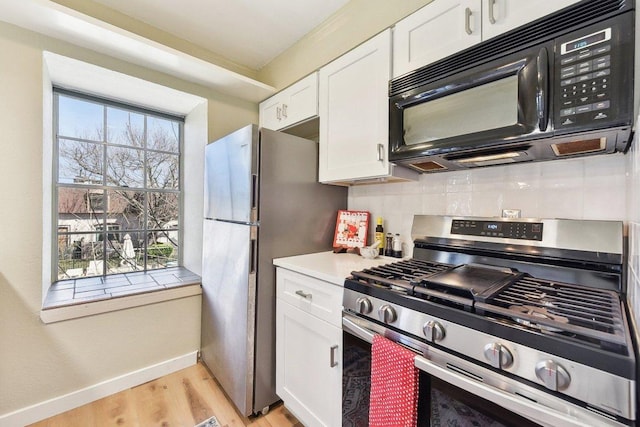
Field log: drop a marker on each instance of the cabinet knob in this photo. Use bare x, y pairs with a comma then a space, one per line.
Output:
387, 314
364, 305
433, 331
553, 376
498, 355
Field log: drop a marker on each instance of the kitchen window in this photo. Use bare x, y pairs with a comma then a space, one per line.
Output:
117, 173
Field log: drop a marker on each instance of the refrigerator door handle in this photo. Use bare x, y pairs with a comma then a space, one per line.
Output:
254, 197
253, 257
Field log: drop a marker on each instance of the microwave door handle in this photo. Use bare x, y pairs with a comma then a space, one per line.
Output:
542, 91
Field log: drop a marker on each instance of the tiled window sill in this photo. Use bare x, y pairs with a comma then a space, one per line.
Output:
70, 299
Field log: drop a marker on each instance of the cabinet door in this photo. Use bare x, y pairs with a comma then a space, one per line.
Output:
294, 104
354, 117
271, 113
314, 296
500, 16
437, 30
301, 101
308, 366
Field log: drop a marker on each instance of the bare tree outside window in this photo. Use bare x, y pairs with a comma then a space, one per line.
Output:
118, 188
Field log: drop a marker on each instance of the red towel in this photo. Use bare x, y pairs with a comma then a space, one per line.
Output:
394, 385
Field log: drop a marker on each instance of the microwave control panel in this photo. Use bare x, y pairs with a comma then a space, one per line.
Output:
498, 229
590, 73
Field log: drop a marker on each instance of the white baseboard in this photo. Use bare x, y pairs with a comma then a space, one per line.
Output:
57, 405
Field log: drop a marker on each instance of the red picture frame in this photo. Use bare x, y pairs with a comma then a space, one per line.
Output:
352, 229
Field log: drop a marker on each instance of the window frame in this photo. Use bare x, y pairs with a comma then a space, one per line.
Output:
104, 187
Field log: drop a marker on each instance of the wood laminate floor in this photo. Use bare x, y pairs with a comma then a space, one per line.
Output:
182, 399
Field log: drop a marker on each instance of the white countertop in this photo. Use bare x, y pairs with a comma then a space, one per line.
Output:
329, 266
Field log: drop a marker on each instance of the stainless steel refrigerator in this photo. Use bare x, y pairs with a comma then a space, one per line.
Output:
262, 201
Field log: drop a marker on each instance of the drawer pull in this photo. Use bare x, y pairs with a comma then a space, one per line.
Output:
304, 294
332, 351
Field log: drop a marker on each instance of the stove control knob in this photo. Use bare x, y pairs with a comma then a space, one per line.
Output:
433, 330
364, 305
498, 355
552, 375
387, 314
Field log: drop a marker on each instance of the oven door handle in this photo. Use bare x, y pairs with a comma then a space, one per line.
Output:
357, 330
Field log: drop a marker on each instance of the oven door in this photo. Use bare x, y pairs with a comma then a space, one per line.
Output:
453, 391
489, 106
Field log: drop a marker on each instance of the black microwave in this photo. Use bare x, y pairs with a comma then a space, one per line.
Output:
559, 87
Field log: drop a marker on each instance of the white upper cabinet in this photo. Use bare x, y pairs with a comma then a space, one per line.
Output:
293, 105
435, 31
500, 16
445, 27
354, 116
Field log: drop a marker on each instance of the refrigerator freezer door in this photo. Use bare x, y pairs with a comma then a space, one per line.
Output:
228, 308
231, 177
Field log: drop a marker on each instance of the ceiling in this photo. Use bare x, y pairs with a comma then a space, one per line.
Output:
248, 32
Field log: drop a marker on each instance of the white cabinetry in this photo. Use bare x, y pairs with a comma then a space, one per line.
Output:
500, 16
435, 31
309, 348
354, 116
293, 105
442, 28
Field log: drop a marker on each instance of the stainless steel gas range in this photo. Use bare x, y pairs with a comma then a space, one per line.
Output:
526, 314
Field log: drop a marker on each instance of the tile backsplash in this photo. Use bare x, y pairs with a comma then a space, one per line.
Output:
585, 188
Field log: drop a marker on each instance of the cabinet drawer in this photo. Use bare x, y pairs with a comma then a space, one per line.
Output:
317, 297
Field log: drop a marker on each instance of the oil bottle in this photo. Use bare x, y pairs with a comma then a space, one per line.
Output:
380, 235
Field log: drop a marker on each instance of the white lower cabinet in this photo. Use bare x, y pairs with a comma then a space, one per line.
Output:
309, 348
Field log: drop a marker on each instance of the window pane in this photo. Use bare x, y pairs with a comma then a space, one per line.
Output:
163, 210
74, 211
126, 208
81, 256
125, 127
125, 167
161, 255
80, 119
125, 253
80, 162
163, 134
163, 170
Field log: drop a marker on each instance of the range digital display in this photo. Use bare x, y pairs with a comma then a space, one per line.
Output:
585, 41
492, 226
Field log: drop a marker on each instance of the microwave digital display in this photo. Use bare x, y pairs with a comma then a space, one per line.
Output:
586, 41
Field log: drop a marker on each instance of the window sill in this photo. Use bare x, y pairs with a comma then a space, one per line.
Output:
71, 299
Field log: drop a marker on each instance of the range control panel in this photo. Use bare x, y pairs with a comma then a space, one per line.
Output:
498, 229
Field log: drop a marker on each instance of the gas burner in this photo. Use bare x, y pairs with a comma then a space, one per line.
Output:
540, 298
539, 313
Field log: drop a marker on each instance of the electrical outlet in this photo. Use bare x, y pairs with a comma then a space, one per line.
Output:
510, 213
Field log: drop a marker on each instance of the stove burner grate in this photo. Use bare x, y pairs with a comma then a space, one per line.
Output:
399, 275
589, 314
